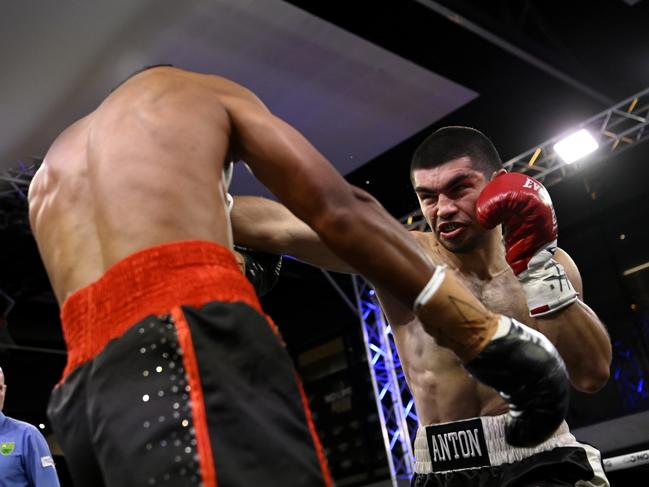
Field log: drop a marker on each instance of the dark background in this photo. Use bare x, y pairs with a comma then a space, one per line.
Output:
601, 47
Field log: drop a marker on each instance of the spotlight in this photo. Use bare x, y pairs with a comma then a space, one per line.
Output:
576, 146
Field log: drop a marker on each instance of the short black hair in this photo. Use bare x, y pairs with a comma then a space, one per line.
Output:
450, 143
141, 70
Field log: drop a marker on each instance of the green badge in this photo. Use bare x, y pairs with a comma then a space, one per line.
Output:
7, 447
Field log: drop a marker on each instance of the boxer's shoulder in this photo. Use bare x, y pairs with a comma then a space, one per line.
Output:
72, 139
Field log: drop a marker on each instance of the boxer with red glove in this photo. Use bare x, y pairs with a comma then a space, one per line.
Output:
538, 404
523, 206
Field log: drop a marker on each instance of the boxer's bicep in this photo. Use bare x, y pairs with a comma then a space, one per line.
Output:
285, 161
579, 335
348, 220
260, 224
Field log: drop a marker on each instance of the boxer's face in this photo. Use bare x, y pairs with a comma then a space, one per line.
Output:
3, 389
447, 196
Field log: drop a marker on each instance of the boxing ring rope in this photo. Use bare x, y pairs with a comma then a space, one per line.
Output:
629, 460
22, 348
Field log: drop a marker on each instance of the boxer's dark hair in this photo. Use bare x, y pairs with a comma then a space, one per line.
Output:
450, 143
141, 70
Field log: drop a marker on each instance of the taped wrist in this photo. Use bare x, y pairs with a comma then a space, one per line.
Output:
453, 316
546, 284
431, 287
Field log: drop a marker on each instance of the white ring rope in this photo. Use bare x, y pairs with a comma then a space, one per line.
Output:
626, 461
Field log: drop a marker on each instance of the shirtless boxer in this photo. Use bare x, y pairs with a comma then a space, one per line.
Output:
449, 171
174, 374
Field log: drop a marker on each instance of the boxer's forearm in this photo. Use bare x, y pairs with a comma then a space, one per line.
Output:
361, 232
579, 335
352, 224
584, 344
266, 225
260, 224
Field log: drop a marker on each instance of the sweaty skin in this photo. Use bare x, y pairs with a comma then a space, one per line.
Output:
146, 168
114, 173
442, 389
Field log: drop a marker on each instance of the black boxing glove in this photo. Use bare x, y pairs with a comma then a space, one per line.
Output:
262, 269
527, 371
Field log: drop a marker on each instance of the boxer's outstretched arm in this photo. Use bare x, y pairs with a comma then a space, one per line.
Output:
347, 219
579, 335
359, 231
269, 226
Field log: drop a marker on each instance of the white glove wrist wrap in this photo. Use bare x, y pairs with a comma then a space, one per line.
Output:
546, 284
431, 288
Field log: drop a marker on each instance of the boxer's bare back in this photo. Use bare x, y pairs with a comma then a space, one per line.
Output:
134, 173
146, 168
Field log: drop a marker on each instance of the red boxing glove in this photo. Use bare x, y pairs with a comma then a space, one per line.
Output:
524, 208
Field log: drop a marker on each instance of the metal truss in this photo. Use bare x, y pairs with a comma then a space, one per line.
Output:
14, 184
394, 402
14, 181
615, 129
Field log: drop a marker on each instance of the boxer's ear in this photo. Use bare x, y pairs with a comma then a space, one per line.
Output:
497, 173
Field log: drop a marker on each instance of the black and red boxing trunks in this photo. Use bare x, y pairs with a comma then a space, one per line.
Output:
175, 377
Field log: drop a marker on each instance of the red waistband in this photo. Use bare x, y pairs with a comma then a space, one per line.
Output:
149, 282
